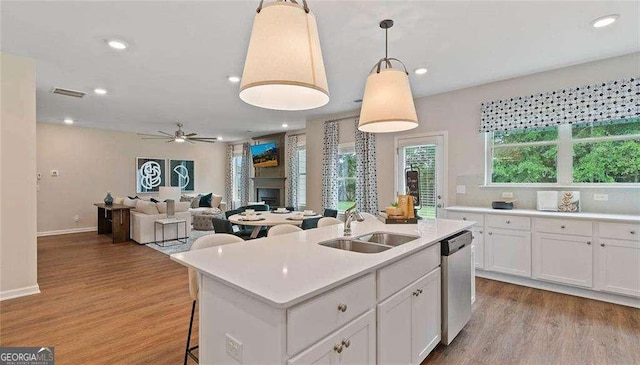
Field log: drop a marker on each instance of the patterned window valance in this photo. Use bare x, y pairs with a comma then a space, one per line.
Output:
586, 104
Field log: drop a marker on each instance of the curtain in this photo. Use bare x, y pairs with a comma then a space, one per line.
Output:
330, 166
245, 175
366, 175
293, 166
613, 100
228, 177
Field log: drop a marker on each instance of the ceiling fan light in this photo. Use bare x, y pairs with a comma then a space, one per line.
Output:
179, 139
284, 69
387, 105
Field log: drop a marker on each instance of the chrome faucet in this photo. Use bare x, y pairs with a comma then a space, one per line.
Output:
349, 214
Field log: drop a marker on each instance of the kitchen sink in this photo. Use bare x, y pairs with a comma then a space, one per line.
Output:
386, 238
353, 245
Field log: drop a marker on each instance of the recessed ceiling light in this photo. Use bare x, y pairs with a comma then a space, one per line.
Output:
68, 121
100, 91
605, 21
117, 44
420, 71
284, 125
234, 79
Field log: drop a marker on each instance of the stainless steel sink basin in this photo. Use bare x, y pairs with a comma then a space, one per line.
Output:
348, 244
386, 238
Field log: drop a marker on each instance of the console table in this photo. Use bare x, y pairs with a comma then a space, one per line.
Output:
114, 219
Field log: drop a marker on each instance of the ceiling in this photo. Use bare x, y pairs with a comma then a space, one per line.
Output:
182, 52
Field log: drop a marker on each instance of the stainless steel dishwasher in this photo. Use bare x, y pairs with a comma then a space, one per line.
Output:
456, 284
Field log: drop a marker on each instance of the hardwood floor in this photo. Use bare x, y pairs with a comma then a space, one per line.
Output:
104, 303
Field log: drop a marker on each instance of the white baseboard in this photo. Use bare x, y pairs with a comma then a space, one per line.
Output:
20, 292
559, 288
67, 231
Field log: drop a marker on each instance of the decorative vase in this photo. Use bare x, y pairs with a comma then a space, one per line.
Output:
108, 200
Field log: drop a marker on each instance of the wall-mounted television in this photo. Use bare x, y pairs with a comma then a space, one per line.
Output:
265, 155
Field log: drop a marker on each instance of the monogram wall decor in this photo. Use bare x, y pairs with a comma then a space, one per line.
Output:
150, 174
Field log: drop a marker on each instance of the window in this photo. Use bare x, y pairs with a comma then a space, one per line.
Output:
346, 177
237, 182
590, 153
302, 176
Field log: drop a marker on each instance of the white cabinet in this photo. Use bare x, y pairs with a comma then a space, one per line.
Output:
563, 259
619, 266
353, 344
478, 242
409, 322
508, 251
473, 274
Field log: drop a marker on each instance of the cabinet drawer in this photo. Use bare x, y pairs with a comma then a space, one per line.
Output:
623, 231
563, 226
461, 216
397, 276
312, 320
508, 222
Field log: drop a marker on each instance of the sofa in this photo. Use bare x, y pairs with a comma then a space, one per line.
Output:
144, 215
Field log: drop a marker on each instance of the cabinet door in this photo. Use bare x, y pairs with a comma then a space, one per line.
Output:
620, 266
355, 343
478, 242
394, 328
508, 251
563, 259
473, 274
425, 316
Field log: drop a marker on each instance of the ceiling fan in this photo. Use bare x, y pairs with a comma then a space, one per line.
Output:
178, 136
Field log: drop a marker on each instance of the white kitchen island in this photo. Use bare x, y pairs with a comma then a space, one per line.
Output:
287, 300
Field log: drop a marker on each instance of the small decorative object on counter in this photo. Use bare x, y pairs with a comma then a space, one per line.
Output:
171, 208
569, 202
386, 219
502, 204
405, 202
393, 210
108, 200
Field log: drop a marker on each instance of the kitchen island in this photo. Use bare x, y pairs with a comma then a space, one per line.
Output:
288, 300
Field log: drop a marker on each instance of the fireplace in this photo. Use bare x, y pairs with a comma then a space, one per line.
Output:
269, 196
270, 190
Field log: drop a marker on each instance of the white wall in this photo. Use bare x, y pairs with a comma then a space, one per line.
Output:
94, 161
18, 263
458, 112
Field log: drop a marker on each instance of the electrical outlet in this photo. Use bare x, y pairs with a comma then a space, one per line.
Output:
39, 176
601, 197
234, 348
461, 189
507, 194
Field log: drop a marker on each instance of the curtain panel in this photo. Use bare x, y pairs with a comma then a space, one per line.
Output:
293, 167
366, 175
613, 100
228, 177
330, 166
245, 175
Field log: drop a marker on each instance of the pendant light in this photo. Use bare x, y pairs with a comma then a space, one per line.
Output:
387, 105
284, 69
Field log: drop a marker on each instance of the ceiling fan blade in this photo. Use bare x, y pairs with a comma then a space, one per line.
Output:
165, 133
151, 135
202, 140
169, 141
192, 142
214, 138
163, 138
191, 134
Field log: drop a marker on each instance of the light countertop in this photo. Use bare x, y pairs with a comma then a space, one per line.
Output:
544, 214
287, 269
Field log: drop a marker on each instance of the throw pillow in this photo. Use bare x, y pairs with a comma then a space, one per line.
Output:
133, 197
205, 201
215, 201
146, 207
162, 207
156, 200
195, 203
182, 207
129, 202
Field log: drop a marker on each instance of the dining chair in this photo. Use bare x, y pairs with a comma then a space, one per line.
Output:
310, 223
330, 213
211, 240
328, 221
283, 229
224, 226
368, 216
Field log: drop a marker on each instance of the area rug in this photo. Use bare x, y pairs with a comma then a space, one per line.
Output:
172, 247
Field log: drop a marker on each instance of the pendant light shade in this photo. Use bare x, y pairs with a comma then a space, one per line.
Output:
387, 105
284, 69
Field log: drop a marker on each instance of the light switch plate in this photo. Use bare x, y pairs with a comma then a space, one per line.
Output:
234, 348
507, 194
55, 173
461, 189
601, 197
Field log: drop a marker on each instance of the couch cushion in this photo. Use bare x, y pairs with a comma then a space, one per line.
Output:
195, 203
182, 206
162, 207
146, 207
216, 200
205, 201
130, 202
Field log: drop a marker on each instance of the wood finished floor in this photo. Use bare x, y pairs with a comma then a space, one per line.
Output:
128, 304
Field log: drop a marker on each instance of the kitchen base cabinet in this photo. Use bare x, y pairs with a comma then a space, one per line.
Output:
473, 274
619, 266
409, 322
353, 344
508, 251
563, 259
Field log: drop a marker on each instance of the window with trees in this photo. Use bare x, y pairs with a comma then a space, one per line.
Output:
346, 177
589, 153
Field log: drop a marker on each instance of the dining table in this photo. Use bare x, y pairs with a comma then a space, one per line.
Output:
269, 219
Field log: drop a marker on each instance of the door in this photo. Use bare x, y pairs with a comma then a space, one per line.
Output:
508, 251
620, 266
563, 259
426, 318
425, 154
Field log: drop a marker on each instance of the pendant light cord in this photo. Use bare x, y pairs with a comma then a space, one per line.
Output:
304, 5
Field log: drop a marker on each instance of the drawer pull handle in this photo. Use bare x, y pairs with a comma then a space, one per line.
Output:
415, 293
337, 348
473, 237
508, 222
562, 226
342, 307
419, 291
588, 242
490, 233
464, 218
633, 232
346, 343
480, 232
602, 244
